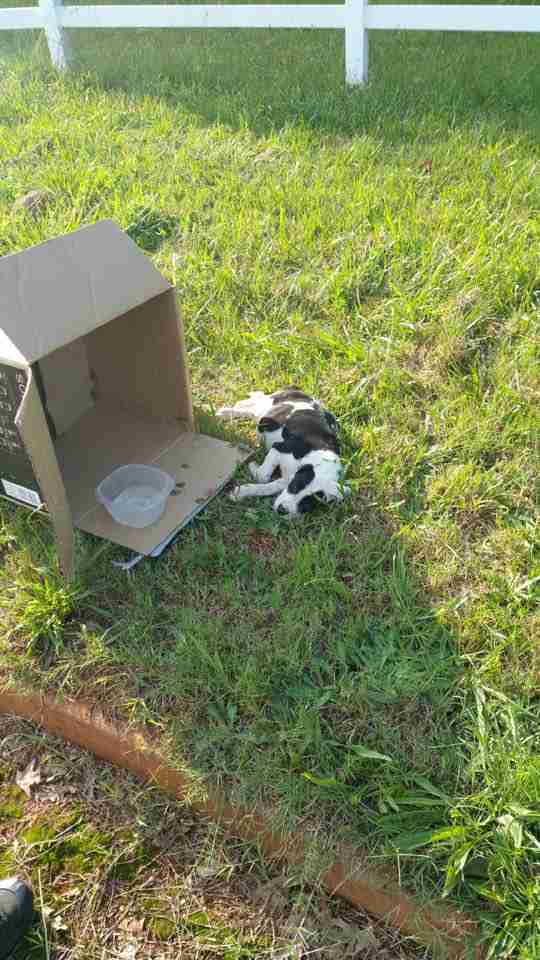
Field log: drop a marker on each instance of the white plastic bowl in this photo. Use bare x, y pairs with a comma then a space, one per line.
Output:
135, 495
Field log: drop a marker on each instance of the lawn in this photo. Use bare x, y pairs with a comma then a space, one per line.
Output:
373, 672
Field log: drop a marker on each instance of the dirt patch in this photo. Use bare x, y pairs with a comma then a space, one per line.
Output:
262, 544
126, 872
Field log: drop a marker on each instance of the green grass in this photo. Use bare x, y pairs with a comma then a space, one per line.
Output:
373, 673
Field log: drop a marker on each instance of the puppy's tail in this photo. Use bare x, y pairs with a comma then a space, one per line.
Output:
253, 408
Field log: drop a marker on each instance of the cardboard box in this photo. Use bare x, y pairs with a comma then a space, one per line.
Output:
92, 376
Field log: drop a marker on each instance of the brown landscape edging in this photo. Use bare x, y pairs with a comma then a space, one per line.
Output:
451, 933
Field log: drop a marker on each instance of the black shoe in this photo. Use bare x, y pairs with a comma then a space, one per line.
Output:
16, 913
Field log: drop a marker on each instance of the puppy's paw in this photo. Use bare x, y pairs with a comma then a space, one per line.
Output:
235, 494
254, 470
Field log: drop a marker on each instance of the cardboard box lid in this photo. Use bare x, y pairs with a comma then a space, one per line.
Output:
63, 289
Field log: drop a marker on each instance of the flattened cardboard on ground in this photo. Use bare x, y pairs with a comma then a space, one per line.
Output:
93, 375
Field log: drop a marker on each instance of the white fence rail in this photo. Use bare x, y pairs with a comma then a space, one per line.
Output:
355, 17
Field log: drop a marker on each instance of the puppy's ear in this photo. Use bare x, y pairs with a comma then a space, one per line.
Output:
331, 421
267, 425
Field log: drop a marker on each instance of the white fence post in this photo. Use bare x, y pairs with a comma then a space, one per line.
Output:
356, 42
59, 46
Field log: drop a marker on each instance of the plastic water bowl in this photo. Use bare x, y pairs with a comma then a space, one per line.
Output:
135, 495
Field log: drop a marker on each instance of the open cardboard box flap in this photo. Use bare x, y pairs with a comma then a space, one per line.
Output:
96, 330
35, 435
102, 441
58, 291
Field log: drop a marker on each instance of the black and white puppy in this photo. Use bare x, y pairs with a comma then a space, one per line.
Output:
301, 439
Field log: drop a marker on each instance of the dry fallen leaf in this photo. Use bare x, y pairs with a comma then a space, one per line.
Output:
35, 202
71, 892
261, 543
89, 786
134, 926
271, 897
267, 154
49, 794
129, 952
206, 873
165, 840
54, 771
353, 938
57, 792
58, 924
30, 777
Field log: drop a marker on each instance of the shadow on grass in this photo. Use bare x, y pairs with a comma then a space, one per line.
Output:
422, 85
303, 668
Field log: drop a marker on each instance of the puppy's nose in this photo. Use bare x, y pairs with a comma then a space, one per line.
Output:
281, 509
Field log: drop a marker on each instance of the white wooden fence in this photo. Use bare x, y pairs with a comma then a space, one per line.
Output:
355, 17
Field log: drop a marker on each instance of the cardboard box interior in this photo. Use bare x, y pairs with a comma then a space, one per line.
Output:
117, 396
